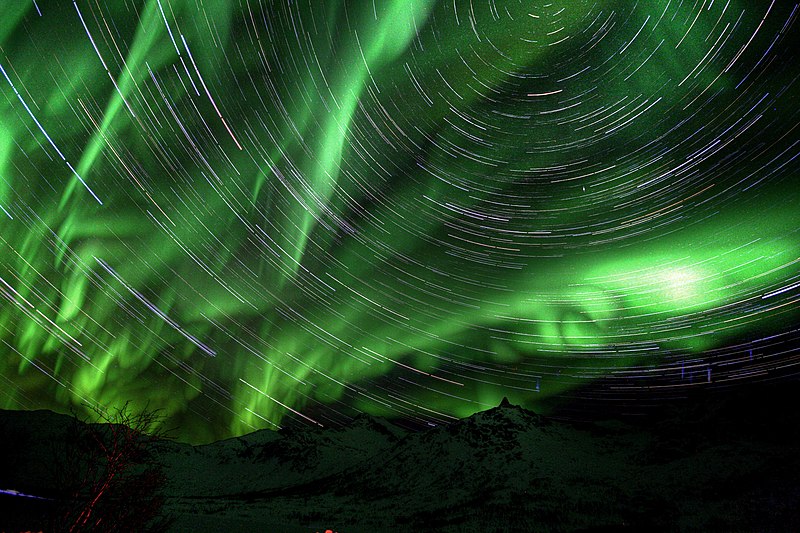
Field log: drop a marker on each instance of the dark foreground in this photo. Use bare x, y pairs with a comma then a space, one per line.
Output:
716, 463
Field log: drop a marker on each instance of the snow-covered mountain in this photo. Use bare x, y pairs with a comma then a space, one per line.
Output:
505, 469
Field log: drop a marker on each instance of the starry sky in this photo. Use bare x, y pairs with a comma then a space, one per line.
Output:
253, 213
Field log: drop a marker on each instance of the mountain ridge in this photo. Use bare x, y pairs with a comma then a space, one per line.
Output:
505, 467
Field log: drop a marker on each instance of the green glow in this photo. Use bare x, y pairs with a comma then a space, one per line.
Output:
308, 201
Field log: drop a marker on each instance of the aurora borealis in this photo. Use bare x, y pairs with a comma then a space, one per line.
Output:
249, 211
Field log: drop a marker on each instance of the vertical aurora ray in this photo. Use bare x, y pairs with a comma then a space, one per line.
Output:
238, 211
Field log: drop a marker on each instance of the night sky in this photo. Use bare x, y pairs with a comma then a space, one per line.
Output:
253, 213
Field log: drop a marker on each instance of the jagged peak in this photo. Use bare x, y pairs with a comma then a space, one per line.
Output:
506, 413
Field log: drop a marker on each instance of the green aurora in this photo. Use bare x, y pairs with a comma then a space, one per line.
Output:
232, 210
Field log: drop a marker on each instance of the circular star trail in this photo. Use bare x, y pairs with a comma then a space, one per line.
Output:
258, 213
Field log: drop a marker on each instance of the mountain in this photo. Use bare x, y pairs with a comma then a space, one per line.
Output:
709, 467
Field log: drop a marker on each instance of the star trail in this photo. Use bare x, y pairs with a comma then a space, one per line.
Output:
250, 213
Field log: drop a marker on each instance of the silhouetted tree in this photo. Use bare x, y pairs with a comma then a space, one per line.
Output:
107, 474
